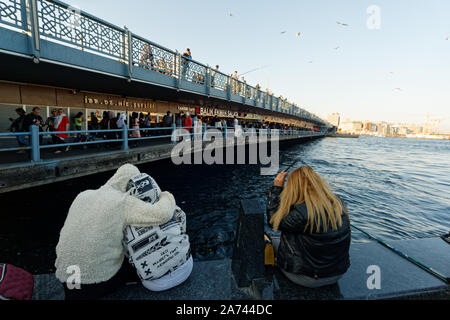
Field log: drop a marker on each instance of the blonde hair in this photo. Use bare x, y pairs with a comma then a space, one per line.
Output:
324, 208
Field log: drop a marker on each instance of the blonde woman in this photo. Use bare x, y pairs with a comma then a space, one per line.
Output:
315, 228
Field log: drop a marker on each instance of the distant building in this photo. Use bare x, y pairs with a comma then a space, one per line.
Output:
351, 127
369, 127
406, 129
334, 119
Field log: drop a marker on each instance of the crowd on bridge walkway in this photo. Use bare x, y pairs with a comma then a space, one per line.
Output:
159, 64
58, 121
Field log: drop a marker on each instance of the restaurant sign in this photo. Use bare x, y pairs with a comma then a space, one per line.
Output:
119, 103
218, 112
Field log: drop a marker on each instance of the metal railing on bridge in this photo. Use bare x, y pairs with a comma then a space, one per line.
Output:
56, 22
35, 144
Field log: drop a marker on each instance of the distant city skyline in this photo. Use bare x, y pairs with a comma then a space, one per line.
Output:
319, 54
431, 121
430, 130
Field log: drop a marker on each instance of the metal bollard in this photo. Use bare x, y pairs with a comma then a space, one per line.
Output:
248, 253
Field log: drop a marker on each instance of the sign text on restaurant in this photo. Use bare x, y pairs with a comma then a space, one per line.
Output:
124, 103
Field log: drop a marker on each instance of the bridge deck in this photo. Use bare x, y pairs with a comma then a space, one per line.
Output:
101, 56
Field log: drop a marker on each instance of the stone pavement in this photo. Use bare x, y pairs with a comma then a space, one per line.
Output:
213, 280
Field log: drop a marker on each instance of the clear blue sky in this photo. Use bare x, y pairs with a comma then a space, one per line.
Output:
355, 80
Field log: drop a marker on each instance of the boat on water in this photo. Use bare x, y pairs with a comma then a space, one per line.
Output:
342, 135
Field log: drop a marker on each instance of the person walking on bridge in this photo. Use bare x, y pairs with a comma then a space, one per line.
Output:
17, 126
179, 119
187, 122
78, 121
147, 57
213, 76
315, 228
234, 82
34, 119
235, 122
167, 123
135, 125
50, 124
121, 123
62, 124
167, 120
185, 65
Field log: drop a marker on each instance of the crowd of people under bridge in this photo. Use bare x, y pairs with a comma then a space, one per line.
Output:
58, 121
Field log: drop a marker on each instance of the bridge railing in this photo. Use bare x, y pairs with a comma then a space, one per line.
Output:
13, 14
58, 22
219, 80
19, 136
33, 140
193, 71
151, 56
61, 23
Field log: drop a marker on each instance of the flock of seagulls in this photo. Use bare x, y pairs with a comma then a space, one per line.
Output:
298, 34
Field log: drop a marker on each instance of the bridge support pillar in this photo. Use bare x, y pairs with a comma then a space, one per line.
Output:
128, 52
208, 81
31, 16
229, 86
125, 146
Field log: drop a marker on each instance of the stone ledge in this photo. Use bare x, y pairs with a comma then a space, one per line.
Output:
400, 279
210, 280
213, 280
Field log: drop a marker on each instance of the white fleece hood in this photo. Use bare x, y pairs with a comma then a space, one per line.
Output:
120, 179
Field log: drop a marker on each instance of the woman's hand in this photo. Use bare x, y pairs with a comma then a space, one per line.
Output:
279, 180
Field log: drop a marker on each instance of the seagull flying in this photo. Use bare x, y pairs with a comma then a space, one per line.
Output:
298, 34
336, 48
342, 24
282, 32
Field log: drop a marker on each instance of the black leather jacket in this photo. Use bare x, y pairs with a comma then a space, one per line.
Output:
316, 255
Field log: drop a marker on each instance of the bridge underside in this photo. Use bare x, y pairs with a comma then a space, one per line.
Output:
25, 175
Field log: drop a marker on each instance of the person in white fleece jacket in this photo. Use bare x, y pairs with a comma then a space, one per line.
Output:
91, 238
